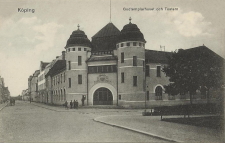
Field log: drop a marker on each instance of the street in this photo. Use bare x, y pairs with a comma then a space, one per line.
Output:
26, 122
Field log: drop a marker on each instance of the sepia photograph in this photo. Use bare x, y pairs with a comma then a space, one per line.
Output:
112, 71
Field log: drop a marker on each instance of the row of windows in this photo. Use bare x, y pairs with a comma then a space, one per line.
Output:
134, 59
59, 79
74, 49
102, 69
79, 62
158, 71
79, 80
130, 44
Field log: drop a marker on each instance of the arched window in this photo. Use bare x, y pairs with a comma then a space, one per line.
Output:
158, 93
64, 94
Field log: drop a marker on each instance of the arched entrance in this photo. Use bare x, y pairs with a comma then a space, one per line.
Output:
158, 93
103, 96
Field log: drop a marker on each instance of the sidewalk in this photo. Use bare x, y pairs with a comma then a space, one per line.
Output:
148, 125
153, 126
2, 106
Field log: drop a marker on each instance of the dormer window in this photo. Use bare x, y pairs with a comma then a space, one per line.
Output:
121, 44
73, 49
134, 43
128, 44
79, 49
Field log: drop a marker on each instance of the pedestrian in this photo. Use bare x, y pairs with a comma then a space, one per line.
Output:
74, 104
71, 104
66, 105
82, 100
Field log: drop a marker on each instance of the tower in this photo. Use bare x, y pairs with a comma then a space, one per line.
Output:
131, 64
77, 48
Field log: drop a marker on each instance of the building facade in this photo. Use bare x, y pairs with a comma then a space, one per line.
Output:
114, 68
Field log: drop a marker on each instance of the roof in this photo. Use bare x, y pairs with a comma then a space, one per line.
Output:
152, 56
43, 65
58, 67
101, 58
106, 38
78, 38
131, 32
108, 30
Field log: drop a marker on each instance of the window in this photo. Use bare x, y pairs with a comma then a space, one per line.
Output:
73, 49
122, 57
134, 43
134, 60
122, 77
68, 49
158, 71
121, 44
139, 44
85, 49
79, 60
69, 65
119, 97
69, 82
128, 44
79, 79
147, 70
79, 49
134, 80
147, 96
102, 69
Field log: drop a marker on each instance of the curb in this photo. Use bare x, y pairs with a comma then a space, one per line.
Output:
3, 107
137, 131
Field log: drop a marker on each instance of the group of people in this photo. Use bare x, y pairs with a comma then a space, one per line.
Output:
73, 104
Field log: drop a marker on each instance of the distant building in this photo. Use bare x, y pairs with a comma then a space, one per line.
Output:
4, 91
34, 87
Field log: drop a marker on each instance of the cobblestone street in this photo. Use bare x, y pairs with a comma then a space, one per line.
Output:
25, 122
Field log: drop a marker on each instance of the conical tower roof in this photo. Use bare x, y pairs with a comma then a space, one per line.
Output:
106, 38
78, 38
131, 32
109, 30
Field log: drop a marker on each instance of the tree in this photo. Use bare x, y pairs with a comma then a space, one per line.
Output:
190, 69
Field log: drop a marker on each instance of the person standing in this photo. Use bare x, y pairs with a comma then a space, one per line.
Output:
74, 104
71, 104
66, 105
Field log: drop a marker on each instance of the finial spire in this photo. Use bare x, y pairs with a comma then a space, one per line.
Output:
78, 27
110, 11
130, 19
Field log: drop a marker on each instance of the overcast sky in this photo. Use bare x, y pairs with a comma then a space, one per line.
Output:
28, 38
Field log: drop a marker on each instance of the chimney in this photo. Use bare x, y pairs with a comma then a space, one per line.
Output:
63, 55
57, 57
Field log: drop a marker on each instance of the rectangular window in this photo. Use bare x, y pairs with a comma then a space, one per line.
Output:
134, 80
139, 44
79, 49
121, 44
147, 98
73, 49
69, 79
68, 49
64, 76
79, 79
134, 60
69, 65
119, 97
158, 71
147, 70
85, 49
122, 77
134, 43
128, 44
79, 60
122, 57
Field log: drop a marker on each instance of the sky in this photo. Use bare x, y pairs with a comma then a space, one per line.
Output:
26, 38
